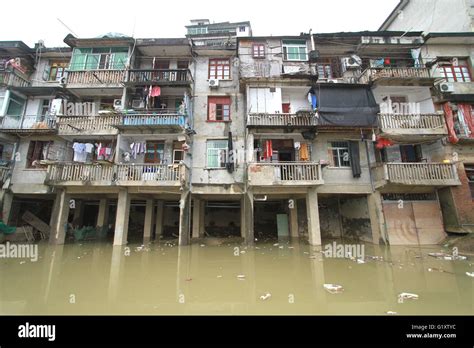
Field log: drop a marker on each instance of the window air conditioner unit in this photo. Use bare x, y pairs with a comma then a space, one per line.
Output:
117, 104
138, 104
213, 83
446, 87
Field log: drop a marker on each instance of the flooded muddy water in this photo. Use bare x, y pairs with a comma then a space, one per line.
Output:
228, 278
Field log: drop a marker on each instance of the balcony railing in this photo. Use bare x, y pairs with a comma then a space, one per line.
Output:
420, 174
68, 173
285, 173
413, 125
409, 73
282, 120
96, 77
4, 173
28, 122
153, 120
165, 76
12, 78
80, 124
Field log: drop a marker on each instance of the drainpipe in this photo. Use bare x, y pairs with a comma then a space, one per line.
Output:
368, 163
313, 46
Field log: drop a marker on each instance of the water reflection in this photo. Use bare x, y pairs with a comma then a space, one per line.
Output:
162, 278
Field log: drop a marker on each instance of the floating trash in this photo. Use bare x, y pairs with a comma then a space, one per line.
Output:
266, 296
243, 252
360, 261
470, 274
188, 279
333, 288
438, 270
241, 277
391, 312
407, 296
22, 262
276, 244
449, 257
219, 276
202, 245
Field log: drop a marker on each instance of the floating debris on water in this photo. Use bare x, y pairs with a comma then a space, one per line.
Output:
241, 277
407, 296
391, 312
266, 296
333, 288
470, 274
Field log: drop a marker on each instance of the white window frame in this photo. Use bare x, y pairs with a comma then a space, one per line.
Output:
218, 150
340, 154
286, 55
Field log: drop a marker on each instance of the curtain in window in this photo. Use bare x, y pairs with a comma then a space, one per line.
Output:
120, 60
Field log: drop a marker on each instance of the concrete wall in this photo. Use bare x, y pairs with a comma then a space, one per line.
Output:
216, 130
419, 95
435, 16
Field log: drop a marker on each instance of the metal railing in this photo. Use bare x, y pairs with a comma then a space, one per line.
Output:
145, 76
414, 121
30, 122
266, 119
373, 74
153, 119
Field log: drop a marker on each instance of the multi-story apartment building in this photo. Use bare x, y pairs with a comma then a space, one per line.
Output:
225, 134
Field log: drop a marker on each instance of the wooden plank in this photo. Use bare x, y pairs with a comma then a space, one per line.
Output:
36, 222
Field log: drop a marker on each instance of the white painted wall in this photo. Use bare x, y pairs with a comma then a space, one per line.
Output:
262, 100
419, 95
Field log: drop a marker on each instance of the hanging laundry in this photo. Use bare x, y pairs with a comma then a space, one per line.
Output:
268, 149
466, 111
304, 153
80, 155
312, 98
155, 91
89, 147
448, 112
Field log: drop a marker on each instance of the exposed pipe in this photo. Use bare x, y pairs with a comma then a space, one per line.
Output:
313, 46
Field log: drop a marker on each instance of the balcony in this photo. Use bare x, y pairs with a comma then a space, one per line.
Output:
407, 76
99, 174
298, 120
28, 124
5, 171
416, 174
168, 121
96, 78
13, 79
162, 77
303, 174
94, 125
412, 127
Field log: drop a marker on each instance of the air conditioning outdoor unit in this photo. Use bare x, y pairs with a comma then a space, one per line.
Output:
138, 104
213, 83
446, 87
117, 104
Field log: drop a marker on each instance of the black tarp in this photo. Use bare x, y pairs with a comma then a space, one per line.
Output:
355, 159
346, 105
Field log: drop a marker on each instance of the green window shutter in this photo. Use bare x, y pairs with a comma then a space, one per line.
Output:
92, 61
46, 72
120, 60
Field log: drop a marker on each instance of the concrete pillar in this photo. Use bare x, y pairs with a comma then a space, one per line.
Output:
149, 219
59, 217
159, 219
197, 218
7, 206
103, 215
312, 212
184, 218
78, 213
294, 220
250, 149
246, 217
121, 221
377, 219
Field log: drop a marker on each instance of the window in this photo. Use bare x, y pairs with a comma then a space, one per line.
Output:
219, 69
216, 153
218, 109
154, 152
161, 64
99, 58
325, 71
15, 105
37, 151
242, 29
339, 154
44, 108
197, 31
455, 73
57, 70
470, 177
411, 153
294, 50
183, 64
178, 156
258, 50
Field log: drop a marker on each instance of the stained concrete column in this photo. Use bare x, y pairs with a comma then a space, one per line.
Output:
312, 211
250, 149
78, 213
294, 220
121, 220
184, 218
7, 206
59, 218
246, 217
159, 219
149, 219
103, 215
198, 217
377, 219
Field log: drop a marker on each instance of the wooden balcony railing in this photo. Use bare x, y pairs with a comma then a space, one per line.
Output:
374, 74
79, 124
96, 77
415, 121
431, 174
141, 76
263, 173
12, 78
117, 174
283, 120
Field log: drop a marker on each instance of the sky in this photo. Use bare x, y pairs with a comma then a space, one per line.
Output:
166, 19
